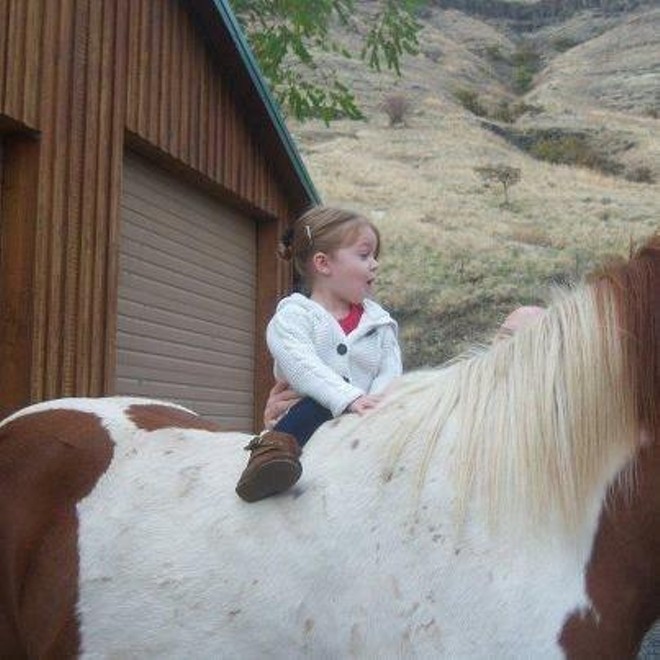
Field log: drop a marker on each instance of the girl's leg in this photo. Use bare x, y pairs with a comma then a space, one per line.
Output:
303, 419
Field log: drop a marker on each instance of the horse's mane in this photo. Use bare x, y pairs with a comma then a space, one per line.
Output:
543, 416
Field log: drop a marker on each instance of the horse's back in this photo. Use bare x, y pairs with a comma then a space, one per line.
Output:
52, 457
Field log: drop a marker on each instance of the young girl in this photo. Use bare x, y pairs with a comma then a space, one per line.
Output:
335, 346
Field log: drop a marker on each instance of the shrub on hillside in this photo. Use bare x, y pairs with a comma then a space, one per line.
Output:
562, 44
396, 107
508, 113
641, 174
494, 52
527, 62
470, 101
574, 150
504, 111
523, 79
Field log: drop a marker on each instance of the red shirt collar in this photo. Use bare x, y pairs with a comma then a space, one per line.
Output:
352, 319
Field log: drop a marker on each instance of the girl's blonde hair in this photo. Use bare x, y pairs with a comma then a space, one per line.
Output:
322, 229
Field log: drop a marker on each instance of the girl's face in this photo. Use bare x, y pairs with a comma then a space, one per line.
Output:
347, 275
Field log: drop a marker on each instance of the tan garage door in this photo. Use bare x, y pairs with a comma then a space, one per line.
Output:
186, 297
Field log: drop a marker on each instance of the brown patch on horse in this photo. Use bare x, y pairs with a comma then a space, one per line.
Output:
49, 461
151, 417
622, 577
636, 286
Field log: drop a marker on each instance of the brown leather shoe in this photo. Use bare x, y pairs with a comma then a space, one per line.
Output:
273, 466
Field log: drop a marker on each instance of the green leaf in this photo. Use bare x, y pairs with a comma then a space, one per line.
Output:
285, 36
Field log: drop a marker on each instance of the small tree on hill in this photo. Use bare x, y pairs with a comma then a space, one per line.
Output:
505, 175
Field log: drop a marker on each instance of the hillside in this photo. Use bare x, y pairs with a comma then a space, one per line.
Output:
456, 257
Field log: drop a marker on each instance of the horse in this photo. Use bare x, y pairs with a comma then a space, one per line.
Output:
505, 505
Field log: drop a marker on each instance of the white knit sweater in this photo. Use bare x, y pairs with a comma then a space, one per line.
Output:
314, 355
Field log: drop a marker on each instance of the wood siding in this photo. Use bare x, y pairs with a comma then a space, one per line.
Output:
21, 41
85, 76
18, 207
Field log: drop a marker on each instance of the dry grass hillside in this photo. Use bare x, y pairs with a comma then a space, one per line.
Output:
456, 257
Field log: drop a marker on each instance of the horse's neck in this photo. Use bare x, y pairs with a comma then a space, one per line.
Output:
417, 444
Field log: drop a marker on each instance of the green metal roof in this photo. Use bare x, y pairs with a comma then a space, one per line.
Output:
270, 104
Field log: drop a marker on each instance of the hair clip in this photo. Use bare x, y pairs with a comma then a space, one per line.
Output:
308, 229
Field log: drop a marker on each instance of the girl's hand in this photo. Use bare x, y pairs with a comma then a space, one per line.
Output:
364, 403
280, 399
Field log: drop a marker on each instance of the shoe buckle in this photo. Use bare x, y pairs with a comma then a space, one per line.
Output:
254, 443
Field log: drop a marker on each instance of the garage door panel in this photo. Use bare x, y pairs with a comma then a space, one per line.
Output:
187, 297
189, 306
229, 413
168, 204
218, 338
183, 393
218, 292
186, 394
172, 217
163, 369
186, 351
227, 323
166, 228
170, 284
146, 245
167, 320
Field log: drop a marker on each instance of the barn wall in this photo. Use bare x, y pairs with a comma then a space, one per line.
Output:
82, 128
83, 77
178, 100
62, 82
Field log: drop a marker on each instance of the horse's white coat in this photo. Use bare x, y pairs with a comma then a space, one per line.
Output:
354, 562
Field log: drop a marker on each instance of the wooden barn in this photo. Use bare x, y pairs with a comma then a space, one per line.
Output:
146, 176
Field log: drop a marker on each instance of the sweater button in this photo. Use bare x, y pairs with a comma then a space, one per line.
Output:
346, 379
341, 349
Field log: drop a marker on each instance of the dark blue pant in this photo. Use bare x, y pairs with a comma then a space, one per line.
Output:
303, 419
